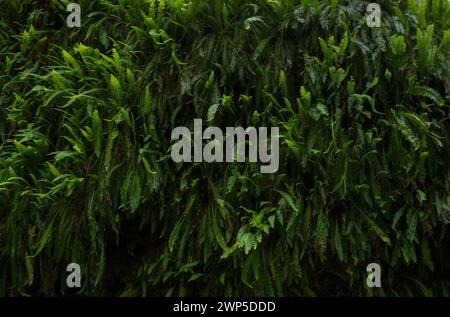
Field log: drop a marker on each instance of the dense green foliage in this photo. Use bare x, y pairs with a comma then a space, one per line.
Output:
86, 174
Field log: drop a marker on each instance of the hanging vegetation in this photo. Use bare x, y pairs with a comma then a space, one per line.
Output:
86, 174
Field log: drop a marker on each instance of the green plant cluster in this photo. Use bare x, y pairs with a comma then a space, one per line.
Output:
86, 176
